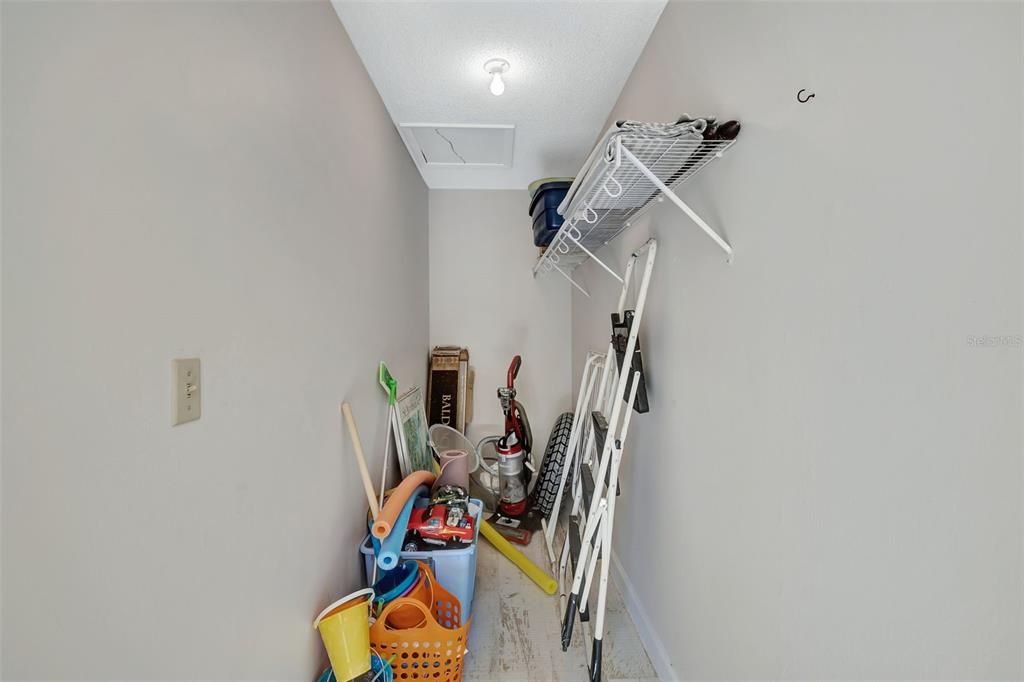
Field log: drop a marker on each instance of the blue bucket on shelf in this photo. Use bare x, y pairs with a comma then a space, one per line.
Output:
544, 210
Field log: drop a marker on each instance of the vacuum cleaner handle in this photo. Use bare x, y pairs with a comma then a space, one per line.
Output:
513, 370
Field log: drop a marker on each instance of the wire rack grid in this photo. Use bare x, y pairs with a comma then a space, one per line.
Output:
620, 188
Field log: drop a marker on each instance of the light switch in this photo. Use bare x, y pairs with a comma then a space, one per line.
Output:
186, 403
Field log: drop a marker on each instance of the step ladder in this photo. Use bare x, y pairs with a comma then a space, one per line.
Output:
604, 406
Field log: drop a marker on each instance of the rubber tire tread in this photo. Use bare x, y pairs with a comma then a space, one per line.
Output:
542, 498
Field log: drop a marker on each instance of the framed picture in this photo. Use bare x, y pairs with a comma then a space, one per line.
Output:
412, 419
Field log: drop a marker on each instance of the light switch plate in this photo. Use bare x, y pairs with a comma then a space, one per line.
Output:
186, 400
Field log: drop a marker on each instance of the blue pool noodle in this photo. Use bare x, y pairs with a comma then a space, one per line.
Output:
391, 546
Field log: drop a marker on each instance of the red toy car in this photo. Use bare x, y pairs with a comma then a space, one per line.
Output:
446, 520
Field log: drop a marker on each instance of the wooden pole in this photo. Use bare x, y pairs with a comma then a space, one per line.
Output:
371, 497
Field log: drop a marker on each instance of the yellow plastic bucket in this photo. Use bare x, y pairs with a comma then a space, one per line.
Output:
345, 629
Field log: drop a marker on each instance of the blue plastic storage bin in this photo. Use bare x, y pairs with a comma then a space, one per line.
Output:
455, 569
544, 211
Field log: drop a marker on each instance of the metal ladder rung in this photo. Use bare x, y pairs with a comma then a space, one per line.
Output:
600, 436
574, 558
600, 429
587, 479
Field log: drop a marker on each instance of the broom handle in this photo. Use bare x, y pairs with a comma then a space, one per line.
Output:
387, 453
361, 460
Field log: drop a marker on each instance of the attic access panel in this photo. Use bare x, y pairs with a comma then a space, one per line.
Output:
432, 144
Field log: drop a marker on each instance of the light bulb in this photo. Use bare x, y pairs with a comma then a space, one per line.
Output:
496, 67
497, 84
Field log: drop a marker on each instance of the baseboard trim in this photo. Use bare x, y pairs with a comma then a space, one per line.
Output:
648, 635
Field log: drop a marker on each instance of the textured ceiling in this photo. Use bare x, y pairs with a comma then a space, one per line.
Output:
569, 63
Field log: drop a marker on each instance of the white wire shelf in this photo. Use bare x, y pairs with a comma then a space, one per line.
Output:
635, 172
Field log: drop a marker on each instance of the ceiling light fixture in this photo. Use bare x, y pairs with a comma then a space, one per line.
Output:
496, 67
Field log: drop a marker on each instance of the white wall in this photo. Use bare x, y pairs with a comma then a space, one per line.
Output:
830, 474
192, 179
483, 297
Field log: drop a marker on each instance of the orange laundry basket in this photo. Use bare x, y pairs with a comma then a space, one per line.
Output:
432, 650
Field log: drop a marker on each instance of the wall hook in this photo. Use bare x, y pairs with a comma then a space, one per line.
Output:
805, 98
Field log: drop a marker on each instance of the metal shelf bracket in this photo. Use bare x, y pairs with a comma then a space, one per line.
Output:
573, 282
674, 198
573, 233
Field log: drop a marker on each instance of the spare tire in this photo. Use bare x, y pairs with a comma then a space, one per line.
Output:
542, 499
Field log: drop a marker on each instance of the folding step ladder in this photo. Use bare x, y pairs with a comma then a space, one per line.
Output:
604, 406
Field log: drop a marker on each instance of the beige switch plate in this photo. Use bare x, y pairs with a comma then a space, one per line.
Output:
186, 400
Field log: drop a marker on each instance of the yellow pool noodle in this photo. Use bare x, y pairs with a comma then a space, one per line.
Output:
535, 573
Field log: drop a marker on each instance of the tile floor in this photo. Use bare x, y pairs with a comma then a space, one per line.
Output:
516, 630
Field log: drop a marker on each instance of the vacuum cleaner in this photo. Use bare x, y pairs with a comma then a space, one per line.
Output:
514, 448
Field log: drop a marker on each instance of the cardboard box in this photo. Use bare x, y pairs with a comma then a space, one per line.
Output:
449, 387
